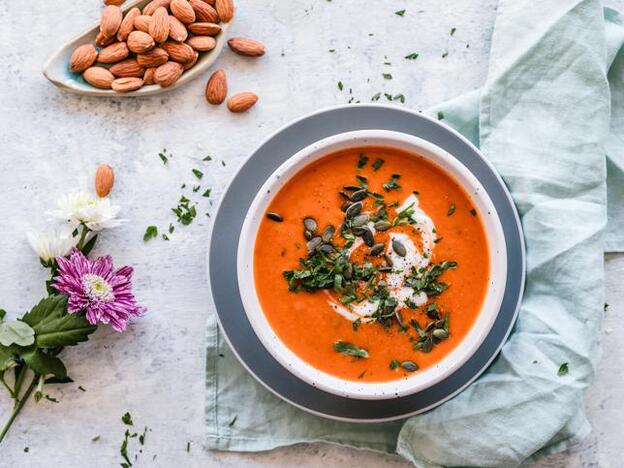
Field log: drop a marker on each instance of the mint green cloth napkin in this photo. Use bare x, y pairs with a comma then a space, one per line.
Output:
549, 112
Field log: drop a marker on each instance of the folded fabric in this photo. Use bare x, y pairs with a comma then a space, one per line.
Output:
550, 110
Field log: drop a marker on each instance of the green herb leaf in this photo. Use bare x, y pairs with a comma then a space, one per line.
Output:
387, 76
233, 421
412, 56
16, 332
349, 349
54, 326
394, 364
199, 174
207, 193
440, 115
376, 97
563, 369
207, 158
340, 86
150, 233
452, 31
163, 156
362, 161
392, 183
400, 13
127, 419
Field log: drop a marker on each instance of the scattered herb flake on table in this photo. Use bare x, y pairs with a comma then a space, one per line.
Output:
412, 56
440, 115
452, 31
387, 76
150, 233
340, 86
563, 369
199, 174
400, 13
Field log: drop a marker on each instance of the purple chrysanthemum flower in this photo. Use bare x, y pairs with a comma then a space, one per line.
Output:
94, 286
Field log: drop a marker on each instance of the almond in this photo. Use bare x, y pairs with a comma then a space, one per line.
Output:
113, 53
225, 9
113, 2
127, 68
152, 58
104, 180
182, 10
125, 85
247, 47
202, 43
102, 41
241, 102
216, 88
82, 58
152, 6
148, 77
140, 42
159, 27
179, 51
204, 12
205, 29
99, 77
177, 30
168, 74
142, 22
192, 63
127, 24
110, 21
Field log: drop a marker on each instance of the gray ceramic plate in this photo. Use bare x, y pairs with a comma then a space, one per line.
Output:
227, 225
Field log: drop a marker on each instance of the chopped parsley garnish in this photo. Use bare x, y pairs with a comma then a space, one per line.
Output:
127, 419
445, 54
233, 421
563, 369
387, 76
184, 211
394, 364
163, 156
412, 56
399, 97
340, 86
392, 183
452, 31
150, 233
207, 158
377, 164
207, 193
349, 349
440, 115
199, 174
376, 97
400, 13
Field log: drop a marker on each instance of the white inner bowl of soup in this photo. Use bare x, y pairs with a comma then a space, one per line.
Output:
372, 264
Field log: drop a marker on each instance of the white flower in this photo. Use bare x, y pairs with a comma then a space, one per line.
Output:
82, 208
54, 243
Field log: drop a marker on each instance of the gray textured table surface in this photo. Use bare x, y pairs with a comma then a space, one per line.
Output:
52, 142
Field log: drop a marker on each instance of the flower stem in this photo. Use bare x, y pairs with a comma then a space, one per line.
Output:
18, 407
18, 385
83, 236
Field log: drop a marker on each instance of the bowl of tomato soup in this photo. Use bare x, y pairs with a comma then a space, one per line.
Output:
372, 264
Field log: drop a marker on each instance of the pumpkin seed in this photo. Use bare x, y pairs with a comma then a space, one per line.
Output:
307, 234
359, 195
418, 345
384, 269
359, 220
409, 366
348, 272
345, 206
383, 225
352, 188
399, 248
357, 231
344, 195
328, 233
440, 333
376, 249
274, 217
326, 249
314, 243
427, 345
388, 260
310, 224
353, 210
367, 237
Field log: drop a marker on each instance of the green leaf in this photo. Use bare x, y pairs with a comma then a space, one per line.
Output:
6, 357
54, 326
16, 332
563, 369
88, 247
349, 349
44, 364
2, 314
127, 419
150, 233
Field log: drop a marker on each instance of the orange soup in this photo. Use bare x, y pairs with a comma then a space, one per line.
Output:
371, 264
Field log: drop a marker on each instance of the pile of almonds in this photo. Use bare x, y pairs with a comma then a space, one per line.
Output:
157, 45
